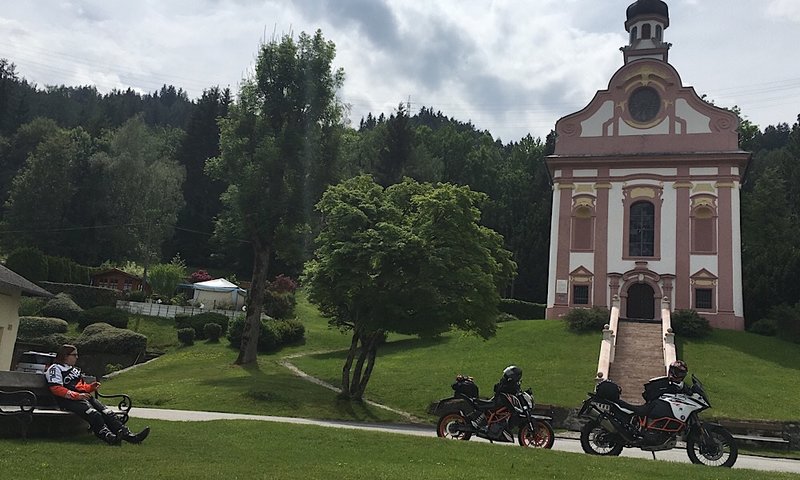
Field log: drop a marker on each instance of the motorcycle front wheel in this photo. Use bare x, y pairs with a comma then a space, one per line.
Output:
596, 440
451, 425
540, 436
720, 451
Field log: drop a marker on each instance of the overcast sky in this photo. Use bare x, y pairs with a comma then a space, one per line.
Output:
512, 67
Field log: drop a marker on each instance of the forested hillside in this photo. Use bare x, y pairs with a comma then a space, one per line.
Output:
121, 176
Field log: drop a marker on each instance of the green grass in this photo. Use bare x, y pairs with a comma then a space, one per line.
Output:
160, 332
747, 376
412, 373
254, 450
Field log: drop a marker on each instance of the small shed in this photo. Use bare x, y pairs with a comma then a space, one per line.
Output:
12, 287
213, 293
117, 279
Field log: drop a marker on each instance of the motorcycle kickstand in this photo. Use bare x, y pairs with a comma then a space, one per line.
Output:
654, 454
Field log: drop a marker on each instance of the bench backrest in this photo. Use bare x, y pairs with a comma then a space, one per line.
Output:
33, 382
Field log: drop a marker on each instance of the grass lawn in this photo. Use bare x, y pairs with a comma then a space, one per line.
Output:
251, 450
412, 373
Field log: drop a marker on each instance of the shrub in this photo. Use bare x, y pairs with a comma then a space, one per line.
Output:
212, 331
32, 327
63, 307
198, 322
186, 336
279, 305
689, 324
113, 367
765, 326
273, 333
587, 319
30, 306
137, 296
110, 315
28, 262
200, 276
165, 277
787, 319
86, 296
522, 309
103, 338
505, 317
282, 284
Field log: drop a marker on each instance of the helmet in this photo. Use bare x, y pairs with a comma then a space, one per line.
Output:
677, 371
512, 374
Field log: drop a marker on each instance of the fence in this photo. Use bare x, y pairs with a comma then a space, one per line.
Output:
169, 311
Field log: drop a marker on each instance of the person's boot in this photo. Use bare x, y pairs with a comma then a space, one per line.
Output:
108, 436
129, 437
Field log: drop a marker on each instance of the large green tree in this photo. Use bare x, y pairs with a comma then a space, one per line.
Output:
411, 258
278, 145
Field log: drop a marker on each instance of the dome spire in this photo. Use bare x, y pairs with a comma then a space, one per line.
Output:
645, 23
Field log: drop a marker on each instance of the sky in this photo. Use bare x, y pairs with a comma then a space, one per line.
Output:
511, 67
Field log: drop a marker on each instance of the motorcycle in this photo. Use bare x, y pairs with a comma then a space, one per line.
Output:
465, 414
657, 425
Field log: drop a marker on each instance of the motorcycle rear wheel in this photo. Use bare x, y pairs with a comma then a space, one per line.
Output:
541, 436
448, 424
596, 440
723, 452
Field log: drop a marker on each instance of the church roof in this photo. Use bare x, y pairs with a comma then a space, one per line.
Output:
647, 7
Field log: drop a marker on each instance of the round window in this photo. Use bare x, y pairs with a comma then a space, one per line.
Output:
644, 104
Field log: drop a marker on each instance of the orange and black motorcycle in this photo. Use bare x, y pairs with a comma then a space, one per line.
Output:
496, 419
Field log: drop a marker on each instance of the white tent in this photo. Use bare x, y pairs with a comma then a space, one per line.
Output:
219, 291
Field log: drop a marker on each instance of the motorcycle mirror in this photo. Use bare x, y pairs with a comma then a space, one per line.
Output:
529, 391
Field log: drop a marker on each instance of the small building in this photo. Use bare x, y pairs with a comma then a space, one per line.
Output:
12, 287
218, 292
116, 279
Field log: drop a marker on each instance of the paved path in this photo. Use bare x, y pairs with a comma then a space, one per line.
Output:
566, 443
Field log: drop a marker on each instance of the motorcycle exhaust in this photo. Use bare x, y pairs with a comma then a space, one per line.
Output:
611, 424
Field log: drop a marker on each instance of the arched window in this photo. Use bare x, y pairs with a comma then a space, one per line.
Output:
646, 31
641, 232
659, 32
634, 32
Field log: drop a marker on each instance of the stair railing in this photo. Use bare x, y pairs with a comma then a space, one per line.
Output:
609, 343
668, 337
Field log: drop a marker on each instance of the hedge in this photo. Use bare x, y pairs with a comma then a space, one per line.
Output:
587, 319
688, 323
32, 327
199, 321
103, 338
86, 296
273, 335
63, 307
30, 306
28, 262
522, 309
110, 315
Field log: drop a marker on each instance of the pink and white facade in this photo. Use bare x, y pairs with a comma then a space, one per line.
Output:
646, 192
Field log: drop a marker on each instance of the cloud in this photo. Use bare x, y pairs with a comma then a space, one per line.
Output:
784, 10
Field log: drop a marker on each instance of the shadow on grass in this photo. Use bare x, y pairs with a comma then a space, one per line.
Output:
278, 392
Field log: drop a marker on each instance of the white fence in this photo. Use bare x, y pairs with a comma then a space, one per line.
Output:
168, 311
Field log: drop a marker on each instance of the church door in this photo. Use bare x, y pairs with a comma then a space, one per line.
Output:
640, 302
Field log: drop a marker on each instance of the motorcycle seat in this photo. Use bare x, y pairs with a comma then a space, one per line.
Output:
640, 410
482, 404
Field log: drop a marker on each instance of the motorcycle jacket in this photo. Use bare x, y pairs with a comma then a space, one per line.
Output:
65, 381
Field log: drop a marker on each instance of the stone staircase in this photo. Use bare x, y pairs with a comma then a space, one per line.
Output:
638, 357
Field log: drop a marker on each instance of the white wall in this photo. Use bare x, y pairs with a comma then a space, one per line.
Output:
9, 323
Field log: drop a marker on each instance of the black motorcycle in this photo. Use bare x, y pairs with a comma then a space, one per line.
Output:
465, 414
657, 425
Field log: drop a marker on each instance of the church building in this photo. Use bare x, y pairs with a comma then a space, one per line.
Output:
646, 185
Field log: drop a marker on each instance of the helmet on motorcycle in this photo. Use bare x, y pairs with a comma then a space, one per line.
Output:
677, 371
512, 374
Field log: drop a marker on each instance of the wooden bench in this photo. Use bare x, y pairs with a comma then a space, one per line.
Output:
27, 399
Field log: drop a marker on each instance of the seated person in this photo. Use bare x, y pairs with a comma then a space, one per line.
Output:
66, 383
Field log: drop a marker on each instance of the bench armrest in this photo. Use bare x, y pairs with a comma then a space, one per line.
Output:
124, 404
22, 401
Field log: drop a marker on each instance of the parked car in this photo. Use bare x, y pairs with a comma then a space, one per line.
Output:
35, 362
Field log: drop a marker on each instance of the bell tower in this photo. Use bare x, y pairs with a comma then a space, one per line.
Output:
645, 23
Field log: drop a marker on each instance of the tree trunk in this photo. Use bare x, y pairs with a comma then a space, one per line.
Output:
372, 351
248, 350
348, 364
